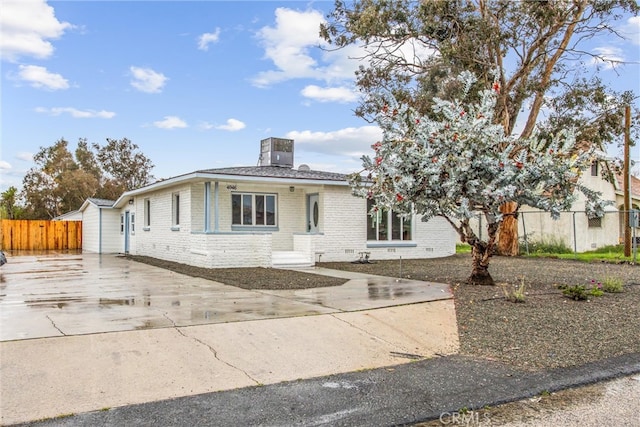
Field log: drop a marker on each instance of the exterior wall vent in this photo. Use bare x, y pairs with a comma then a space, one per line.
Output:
276, 152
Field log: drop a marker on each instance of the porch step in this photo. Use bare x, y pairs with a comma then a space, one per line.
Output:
290, 259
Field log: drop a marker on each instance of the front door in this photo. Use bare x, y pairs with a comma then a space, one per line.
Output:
313, 213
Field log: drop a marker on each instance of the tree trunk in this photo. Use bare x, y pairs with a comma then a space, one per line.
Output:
480, 254
508, 232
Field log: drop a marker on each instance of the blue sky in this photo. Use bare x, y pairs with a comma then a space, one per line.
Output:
195, 85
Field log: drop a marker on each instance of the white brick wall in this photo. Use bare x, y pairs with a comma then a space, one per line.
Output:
163, 240
291, 210
345, 233
342, 228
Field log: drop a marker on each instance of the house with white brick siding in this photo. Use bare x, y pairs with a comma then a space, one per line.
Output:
270, 215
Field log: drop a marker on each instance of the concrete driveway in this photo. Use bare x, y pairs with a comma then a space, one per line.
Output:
86, 332
75, 294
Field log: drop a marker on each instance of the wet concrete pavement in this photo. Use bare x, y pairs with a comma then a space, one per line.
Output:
61, 295
172, 335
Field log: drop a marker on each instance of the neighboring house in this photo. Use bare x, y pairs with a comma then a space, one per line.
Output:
267, 215
69, 216
574, 228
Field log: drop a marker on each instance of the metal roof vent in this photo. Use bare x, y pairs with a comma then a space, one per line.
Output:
276, 152
304, 168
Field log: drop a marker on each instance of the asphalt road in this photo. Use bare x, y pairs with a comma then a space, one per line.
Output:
399, 395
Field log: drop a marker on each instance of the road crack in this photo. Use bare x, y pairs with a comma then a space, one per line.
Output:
211, 349
55, 326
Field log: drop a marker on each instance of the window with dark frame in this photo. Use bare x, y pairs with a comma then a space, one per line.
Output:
253, 209
147, 212
176, 209
387, 225
594, 168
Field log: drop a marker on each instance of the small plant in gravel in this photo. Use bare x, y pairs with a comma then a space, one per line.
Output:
581, 292
596, 292
612, 285
515, 293
575, 292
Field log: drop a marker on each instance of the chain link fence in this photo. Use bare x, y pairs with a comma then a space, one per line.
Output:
574, 231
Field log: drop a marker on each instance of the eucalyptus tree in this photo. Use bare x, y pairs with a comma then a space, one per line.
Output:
539, 50
456, 161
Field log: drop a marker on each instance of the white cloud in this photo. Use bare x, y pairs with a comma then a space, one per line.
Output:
77, 114
329, 94
170, 122
632, 30
608, 54
4, 165
39, 77
343, 142
289, 45
232, 125
207, 38
294, 46
147, 80
26, 28
24, 156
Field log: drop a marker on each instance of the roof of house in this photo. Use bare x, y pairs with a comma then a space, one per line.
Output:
101, 202
277, 172
635, 184
67, 216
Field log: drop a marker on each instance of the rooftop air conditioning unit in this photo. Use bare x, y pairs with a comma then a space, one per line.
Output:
276, 152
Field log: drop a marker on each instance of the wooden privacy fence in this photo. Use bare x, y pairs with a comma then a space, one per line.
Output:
19, 234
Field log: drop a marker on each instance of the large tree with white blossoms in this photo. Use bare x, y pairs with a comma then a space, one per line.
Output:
457, 162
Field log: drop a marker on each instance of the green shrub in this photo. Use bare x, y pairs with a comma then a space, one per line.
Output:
612, 285
549, 245
609, 249
581, 292
463, 248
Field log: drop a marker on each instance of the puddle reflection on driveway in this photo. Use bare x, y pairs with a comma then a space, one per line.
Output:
73, 294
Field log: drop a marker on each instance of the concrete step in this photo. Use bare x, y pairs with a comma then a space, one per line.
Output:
290, 259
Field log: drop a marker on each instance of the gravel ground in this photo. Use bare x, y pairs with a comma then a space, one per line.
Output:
548, 330
247, 278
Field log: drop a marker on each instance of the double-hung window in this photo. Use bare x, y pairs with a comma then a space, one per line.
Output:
253, 209
387, 225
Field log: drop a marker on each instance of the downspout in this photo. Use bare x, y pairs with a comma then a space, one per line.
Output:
99, 230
